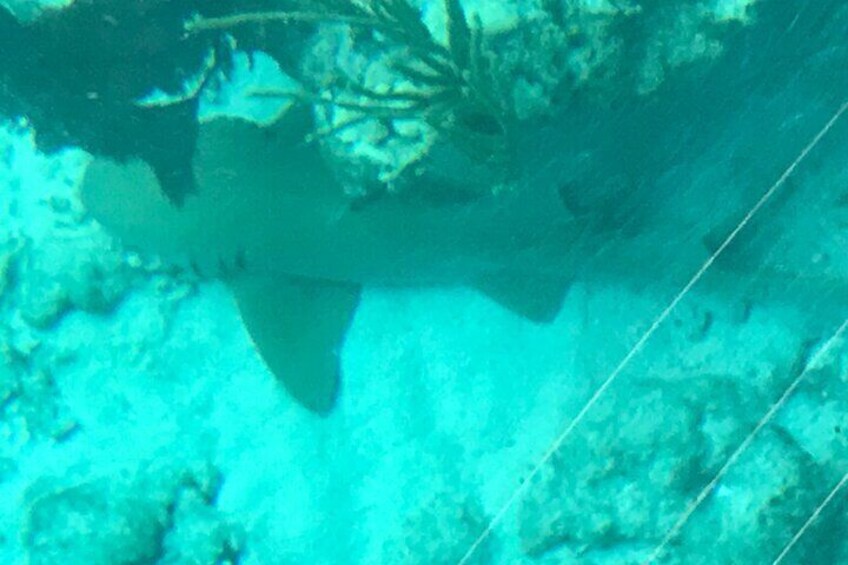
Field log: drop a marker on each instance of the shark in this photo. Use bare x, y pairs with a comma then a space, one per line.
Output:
600, 188
270, 218
597, 192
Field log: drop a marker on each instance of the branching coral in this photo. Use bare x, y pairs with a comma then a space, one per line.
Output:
396, 97
451, 87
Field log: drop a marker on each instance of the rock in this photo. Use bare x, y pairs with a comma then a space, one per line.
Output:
602, 486
443, 528
94, 522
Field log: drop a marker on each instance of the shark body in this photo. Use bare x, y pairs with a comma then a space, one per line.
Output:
271, 219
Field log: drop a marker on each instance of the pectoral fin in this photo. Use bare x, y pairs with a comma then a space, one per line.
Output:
298, 326
538, 299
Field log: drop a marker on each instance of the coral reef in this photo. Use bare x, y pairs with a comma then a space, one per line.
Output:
402, 88
136, 423
439, 531
163, 514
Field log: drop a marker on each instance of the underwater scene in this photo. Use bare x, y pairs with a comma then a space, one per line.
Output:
423, 282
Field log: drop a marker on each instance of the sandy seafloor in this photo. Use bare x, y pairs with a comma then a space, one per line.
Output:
138, 425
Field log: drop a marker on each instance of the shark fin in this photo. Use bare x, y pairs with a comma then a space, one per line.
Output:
298, 326
127, 198
538, 299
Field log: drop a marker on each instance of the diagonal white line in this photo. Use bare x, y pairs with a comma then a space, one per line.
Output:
749, 439
640, 343
816, 513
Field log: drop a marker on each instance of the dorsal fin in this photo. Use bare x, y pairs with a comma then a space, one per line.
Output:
536, 298
298, 326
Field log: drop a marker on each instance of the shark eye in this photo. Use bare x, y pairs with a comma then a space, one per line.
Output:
240, 261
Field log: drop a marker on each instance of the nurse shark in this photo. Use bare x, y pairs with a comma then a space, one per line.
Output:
270, 218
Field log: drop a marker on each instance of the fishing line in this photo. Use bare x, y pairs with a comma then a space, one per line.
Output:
833, 492
749, 439
640, 343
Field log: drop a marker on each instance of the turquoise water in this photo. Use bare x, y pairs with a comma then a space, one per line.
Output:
423, 282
